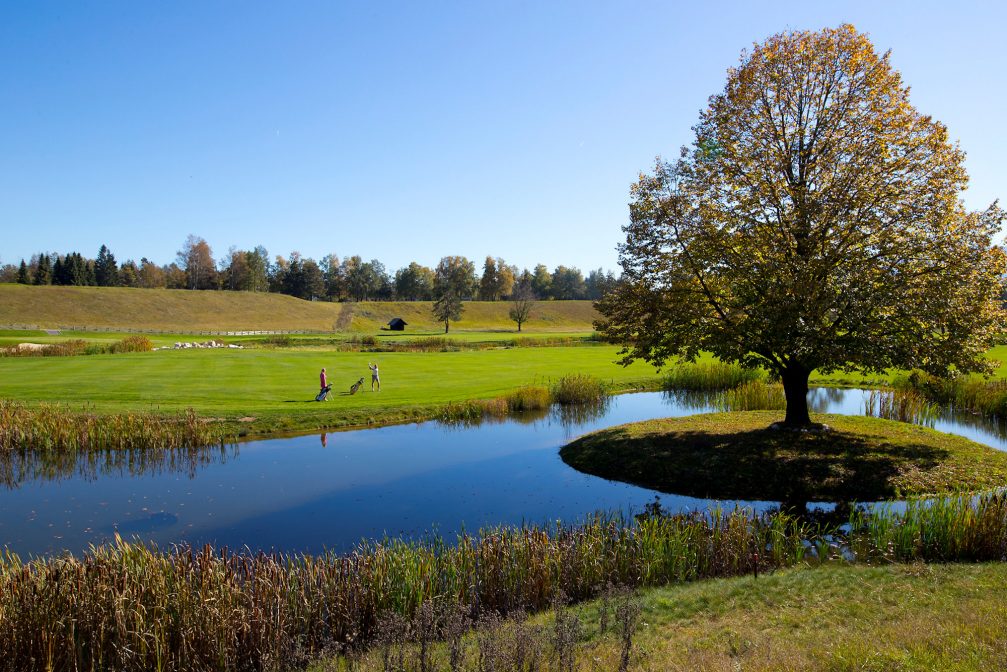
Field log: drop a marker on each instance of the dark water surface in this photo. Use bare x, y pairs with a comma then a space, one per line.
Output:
311, 493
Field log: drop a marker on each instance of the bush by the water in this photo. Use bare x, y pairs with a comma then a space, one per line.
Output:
578, 388
709, 377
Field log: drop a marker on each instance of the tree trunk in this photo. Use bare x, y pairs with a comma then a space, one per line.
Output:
519, 327
446, 324
795, 387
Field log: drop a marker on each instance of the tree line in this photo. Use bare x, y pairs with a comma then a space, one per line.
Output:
328, 279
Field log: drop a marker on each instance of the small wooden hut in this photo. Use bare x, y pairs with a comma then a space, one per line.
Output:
397, 324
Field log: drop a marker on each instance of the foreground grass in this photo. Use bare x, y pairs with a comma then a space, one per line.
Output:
736, 456
949, 617
256, 391
900, 617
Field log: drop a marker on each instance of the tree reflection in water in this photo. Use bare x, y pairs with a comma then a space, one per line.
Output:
18, 467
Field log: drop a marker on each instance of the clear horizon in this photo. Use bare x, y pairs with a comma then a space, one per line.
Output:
404, 132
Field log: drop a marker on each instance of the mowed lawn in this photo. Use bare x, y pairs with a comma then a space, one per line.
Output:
277, 386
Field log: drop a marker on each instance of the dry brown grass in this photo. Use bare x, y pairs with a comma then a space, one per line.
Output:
176, 310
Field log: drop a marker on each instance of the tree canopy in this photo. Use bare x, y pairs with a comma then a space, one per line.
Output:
815, 223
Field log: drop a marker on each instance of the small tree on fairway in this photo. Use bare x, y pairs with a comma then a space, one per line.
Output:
454, 280
447, 308
816, 223
522, 303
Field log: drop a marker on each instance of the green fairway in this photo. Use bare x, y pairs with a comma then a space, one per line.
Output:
277, 387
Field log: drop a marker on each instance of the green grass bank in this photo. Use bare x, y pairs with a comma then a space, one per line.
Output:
909, 617
736, 456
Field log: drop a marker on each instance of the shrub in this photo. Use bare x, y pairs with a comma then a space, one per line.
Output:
132, 344
62, 349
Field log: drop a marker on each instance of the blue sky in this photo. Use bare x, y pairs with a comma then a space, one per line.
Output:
406, 131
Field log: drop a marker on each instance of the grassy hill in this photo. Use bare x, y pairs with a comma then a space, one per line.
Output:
175, 310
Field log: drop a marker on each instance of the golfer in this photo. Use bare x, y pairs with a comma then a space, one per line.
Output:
374, 376
321, 379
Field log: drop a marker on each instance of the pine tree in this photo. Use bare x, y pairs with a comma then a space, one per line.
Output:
43, 272
106, 271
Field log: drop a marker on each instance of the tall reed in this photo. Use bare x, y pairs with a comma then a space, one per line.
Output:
54, 427
904, 405
578, 388
126, 606
709, 377
959, 528
962, 393
754, 395
529, 398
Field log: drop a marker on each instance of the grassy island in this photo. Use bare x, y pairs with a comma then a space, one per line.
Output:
737, 456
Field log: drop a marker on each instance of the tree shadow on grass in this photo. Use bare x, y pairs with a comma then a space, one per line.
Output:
758, 464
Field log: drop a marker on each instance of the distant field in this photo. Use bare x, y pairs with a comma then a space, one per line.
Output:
183, 311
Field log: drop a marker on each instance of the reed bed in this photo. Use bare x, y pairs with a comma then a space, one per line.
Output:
968, 394
54, 427
710, 377
753, 395
578, 395
904, 405
578, 388
529, 398
127, 606
970, 528
473, 411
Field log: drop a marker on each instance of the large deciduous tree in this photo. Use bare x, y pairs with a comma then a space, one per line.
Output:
454, 280
196, 259
815, 224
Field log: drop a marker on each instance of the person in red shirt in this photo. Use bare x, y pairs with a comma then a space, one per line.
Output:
323, 383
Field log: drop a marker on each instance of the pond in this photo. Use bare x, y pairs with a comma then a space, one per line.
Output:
329, 491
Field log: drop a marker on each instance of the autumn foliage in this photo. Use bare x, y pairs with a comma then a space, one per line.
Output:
816, 223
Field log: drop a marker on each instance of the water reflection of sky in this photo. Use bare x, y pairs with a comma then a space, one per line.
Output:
312, 493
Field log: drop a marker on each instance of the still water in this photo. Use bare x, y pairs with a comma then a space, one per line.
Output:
329, 491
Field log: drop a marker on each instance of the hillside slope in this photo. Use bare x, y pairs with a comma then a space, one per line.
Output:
176, 310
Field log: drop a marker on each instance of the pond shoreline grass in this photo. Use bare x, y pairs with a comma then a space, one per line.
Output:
127, 606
